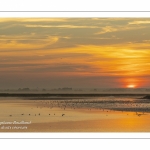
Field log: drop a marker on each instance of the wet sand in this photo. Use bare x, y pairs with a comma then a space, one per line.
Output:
54, 116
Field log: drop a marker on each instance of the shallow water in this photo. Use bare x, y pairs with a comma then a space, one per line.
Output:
95, 114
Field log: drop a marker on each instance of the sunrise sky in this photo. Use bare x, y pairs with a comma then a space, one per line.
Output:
75, 52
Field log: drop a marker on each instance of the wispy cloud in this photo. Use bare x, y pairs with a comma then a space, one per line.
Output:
33, 19
24, 43
109, 29
59, 26
139, 22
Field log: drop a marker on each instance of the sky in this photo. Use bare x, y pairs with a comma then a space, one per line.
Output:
74, 52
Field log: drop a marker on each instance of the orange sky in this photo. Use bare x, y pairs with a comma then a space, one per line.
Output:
74, 52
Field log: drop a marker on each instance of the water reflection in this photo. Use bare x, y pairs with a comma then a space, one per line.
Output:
100, 114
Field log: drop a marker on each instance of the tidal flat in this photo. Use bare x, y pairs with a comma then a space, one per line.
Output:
77, 113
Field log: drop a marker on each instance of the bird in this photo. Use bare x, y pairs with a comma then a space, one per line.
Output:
138, 114
63, 114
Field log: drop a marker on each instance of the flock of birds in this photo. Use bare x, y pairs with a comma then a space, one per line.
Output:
91, 103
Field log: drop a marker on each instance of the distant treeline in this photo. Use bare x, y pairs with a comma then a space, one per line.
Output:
65, 95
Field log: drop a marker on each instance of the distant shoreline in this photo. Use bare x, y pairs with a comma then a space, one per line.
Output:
67, 94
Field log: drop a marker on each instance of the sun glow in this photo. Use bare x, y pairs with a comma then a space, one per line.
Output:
131, 86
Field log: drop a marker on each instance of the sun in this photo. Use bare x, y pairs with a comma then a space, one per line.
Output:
131, 86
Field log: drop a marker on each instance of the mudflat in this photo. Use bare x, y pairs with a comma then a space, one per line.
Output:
18, 115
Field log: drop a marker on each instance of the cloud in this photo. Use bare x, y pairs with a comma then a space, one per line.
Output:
75, 47
139, 22
33, 19
59, 26
109, 29
24, 43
